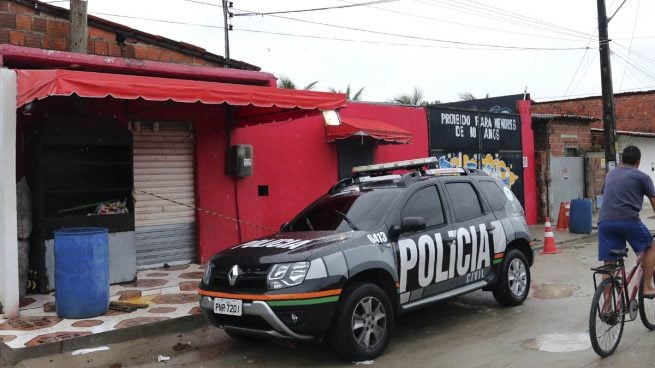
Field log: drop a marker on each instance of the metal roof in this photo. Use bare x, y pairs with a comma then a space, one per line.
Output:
628, 132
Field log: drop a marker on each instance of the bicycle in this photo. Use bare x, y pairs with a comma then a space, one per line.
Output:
613, 301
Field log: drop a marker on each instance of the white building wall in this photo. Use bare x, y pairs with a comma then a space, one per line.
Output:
647, 148
8, 218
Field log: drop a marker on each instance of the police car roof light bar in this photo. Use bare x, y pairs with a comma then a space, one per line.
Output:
398, 165
375, 179
447, 171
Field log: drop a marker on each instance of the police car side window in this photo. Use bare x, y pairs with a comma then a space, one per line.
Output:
494, 195
427, 204
465, 199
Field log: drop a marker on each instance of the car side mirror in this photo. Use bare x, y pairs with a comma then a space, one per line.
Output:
407, 225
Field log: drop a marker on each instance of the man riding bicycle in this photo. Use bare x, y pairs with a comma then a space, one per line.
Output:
618, 219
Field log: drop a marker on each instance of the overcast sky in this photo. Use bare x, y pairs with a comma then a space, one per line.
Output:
443, 47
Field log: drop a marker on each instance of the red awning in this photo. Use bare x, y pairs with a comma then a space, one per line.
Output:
263, 103
356, 127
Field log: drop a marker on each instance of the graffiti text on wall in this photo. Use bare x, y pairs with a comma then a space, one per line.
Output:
466, 124
493, 166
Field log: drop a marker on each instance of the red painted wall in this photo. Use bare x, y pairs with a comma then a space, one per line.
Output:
529, 172
412, 119
215, 193
294, 161
298, 166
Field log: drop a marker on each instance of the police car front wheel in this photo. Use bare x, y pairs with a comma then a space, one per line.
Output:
514, 283
363, 323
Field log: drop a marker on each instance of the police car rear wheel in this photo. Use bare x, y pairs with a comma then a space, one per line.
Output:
364, 322
514, 284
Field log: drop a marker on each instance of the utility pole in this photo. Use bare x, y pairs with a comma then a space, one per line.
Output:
79, 31
609, 121
226, 27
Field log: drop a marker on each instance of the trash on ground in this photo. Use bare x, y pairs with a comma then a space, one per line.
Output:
163, 358
89, 350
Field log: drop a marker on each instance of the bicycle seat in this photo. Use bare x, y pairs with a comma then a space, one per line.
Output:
619, 252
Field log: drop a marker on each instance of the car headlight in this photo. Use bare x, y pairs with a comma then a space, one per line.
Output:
286, 274
207, 276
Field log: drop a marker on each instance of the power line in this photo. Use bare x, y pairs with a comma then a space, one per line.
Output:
497, 15
617, 10
577, 69
586, 69
315, 9
386, 43
584, 74
440, 20
638, 54
527, 18
634, 27
504, 47
635, 66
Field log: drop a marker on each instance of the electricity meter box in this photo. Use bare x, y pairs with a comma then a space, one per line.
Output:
240, 160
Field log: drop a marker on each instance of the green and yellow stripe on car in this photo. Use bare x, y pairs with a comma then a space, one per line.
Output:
282, 300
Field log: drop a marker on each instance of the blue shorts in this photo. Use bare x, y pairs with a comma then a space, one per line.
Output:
614, 234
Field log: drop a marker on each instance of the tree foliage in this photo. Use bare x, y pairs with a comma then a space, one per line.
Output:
354, 97
466, 96
286, 82
415, 98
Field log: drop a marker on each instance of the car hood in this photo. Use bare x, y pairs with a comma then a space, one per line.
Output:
288, 247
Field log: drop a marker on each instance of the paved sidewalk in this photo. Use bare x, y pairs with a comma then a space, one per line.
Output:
168, 294
564, 236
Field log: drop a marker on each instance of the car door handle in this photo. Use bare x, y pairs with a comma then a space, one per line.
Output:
448, 240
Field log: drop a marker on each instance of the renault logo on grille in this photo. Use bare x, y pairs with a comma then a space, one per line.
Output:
233, 274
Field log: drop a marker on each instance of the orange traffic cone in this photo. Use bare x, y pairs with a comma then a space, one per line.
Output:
549, 239
563, 218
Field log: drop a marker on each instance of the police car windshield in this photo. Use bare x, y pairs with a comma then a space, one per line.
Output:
365, 210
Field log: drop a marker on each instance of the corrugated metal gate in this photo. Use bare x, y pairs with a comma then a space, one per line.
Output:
566, 182
165, 231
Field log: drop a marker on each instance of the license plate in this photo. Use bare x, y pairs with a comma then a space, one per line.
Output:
230, 307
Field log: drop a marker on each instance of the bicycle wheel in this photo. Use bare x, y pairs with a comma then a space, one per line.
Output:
606, 318
646, 307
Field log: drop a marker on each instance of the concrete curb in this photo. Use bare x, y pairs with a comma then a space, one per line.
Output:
9, 356
564, 243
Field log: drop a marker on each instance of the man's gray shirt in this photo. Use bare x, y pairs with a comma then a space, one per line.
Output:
623, 194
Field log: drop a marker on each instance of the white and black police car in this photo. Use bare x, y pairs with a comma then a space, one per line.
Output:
376, 245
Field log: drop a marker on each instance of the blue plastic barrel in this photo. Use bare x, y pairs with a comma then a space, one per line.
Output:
81, 272
580, 216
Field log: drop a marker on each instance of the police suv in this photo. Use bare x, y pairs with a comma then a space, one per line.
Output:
376, 245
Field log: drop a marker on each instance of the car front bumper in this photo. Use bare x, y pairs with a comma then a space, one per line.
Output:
259, 318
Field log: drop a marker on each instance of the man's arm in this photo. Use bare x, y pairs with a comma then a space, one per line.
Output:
652, 202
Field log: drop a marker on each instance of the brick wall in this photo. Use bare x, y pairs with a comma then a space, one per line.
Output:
594, 175
22, 26
568, 134
552, 138
635, 111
